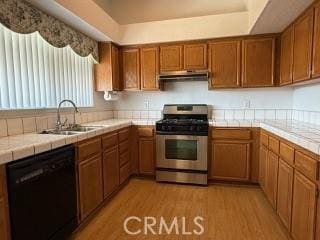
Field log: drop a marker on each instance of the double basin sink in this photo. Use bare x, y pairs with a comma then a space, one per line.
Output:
72, 131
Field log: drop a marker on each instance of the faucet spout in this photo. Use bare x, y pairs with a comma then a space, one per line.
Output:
59, 125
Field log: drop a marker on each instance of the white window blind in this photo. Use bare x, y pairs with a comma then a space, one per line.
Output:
35, 74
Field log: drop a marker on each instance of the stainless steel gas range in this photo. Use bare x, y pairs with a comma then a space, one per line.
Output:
182, 144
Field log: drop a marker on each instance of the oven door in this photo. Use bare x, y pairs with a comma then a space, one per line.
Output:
183, 152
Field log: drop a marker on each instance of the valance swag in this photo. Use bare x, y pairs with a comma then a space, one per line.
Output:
21, 17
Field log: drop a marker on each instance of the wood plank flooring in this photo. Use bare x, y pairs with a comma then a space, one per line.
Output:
229, 212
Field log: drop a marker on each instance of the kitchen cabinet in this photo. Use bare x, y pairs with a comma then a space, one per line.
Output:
263, 167
110, 162
4, 207
171, 58
149, 68
224, 64
195, 56
146, 143
271, 183
90, 185
124, 154
303, 208
284, 196
316, 43
303, 37
286, 57
131, 68
258, 60
107, 73
226, 144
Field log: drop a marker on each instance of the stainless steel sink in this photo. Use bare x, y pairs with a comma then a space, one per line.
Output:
60, 132
72, 131
84, 128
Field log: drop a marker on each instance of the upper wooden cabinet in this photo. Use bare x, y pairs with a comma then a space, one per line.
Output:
316, 43
195, 56
107, 74
303, 37
131, 68
171, 58
224, 64
286, 59
258, 57
149, 68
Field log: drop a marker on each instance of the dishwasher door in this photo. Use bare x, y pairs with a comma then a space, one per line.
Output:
42, 196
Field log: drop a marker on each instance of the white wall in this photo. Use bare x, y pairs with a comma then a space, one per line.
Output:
197, 92
307, 97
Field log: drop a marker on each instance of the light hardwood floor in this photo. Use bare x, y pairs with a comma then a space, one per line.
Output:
229, 212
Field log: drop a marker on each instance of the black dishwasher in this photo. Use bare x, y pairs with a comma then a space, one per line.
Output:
42, 195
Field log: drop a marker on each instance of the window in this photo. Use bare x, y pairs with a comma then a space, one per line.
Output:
34, 74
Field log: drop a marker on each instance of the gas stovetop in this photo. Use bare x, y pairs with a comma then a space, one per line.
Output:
184, 120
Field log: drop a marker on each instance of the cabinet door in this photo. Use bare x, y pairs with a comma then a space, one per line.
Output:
195, 56
224, 64
171, 58
263, 167
146, 156
286, 60
316, 43
284, 198
303, 34
149, 68
4, 207
230, 161
116, 85
303, 208
258, 62
110, 171
272, 178
90, 186
131, 69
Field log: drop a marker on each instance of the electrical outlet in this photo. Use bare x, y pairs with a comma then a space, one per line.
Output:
246, 104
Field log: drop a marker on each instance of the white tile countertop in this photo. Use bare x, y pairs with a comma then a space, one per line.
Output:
19, 146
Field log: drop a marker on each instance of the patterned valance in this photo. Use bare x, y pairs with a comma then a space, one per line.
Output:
22, 17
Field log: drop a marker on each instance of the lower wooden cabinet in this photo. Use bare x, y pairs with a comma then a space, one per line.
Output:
4, 207
271, 184
231, 161
284, 196
110, 171
303, 208
263, 167
146, 144
90, 185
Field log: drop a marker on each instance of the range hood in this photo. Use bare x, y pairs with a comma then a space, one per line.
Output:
198, 75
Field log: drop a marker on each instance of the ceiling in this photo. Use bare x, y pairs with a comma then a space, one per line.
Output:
137, 11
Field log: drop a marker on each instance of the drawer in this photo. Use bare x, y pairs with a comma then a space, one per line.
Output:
264, 139
145, 132
123, 147
125, 172
274, 144
231, 133
306, 165
124, 158
89, 149
124, 134
110, 141
287, 153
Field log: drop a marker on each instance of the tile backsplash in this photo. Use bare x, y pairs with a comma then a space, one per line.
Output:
29, 124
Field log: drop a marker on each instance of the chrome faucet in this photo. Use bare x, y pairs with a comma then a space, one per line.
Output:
59, 125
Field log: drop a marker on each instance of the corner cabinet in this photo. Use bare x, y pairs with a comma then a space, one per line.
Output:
149, 68
195, 56
130, 68
303, 37
171, 58
224, 64
4, 206
107, 73
316, 43
258, 60
286, 58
